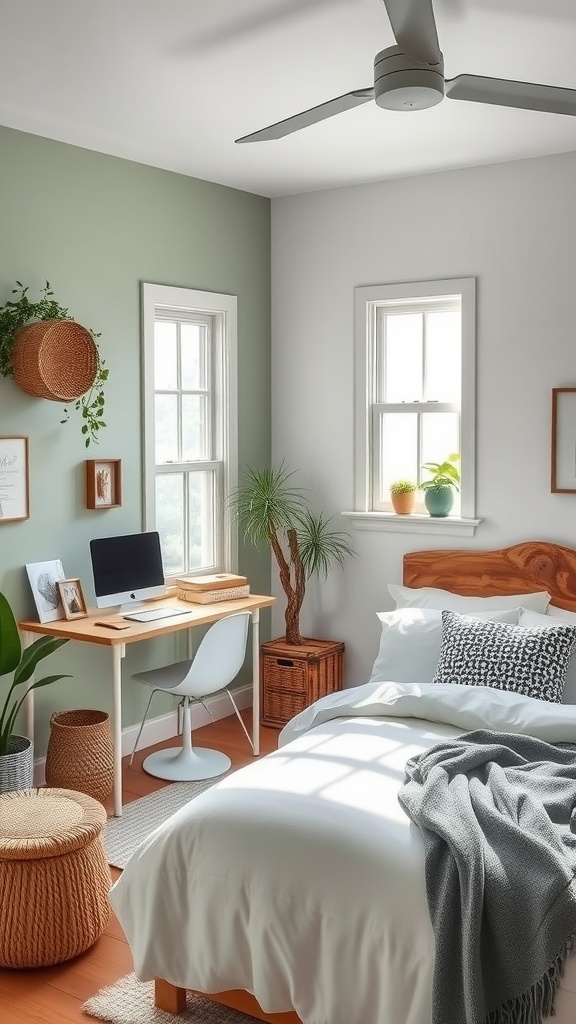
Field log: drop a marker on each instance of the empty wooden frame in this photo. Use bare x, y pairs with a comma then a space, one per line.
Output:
563, 441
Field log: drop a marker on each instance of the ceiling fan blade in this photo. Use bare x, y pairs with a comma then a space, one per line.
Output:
506, 93
414, 28
311, 116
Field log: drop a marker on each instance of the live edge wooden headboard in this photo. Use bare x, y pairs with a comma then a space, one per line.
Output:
534, 565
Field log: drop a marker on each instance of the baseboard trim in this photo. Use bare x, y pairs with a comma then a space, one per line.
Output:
165, 727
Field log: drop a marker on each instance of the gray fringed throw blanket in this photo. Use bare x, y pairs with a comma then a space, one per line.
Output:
495, 812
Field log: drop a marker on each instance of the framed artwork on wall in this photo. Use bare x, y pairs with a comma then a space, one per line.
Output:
563, 441
44, 578
14, 479
72, 598
103, 483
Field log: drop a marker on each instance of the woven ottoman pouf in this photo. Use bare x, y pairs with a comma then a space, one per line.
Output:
54, 878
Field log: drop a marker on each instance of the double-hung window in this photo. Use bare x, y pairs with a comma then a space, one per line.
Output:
190, 425
415, 391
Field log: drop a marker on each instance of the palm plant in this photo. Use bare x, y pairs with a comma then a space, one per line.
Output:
273, 511
22, 664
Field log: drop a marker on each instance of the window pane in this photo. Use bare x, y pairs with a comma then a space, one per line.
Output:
170, 520
201, 539
165, 349
166, 428
443, 356
403, 369
193, 356
440, 437
194, 428
399, 450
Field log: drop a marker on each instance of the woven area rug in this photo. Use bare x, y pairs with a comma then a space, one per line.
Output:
130, 1001
122, 836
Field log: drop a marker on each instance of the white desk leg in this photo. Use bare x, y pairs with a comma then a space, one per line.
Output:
28, 638
256, 681
118, 652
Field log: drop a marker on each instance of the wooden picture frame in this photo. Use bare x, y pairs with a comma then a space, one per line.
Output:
563, 458
14, 479
72, 597
103, 483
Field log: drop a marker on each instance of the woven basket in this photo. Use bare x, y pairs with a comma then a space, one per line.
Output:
55, 359
52, 860
80, 754
17, 766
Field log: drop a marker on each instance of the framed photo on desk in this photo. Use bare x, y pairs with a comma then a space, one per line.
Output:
72, 598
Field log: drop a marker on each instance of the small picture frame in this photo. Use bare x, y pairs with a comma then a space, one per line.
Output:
103, 483
44, 578
563, 441
72, 598
14, 479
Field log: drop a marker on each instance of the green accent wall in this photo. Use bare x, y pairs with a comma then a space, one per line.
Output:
95, 227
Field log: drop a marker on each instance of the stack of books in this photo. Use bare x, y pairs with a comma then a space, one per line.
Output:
222, 586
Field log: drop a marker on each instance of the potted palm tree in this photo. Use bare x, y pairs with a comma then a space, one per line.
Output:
439, 488
272, 511
294, 670
16, 752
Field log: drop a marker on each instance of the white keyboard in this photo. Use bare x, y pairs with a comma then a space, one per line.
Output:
151, 614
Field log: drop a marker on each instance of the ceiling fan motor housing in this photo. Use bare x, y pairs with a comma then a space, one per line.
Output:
401, 83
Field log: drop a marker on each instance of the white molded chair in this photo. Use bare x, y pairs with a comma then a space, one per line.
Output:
215, 665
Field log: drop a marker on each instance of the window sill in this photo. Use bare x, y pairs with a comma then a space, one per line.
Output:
389, 522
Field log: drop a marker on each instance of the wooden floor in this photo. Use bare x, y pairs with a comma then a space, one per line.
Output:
54, 995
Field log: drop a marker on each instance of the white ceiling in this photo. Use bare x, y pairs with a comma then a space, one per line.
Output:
172, 83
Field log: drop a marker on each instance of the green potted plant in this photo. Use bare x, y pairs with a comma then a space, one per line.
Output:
16, 754
403, 496
52, 377
274, 512
439, 488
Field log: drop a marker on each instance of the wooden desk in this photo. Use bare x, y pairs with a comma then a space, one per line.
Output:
86, 630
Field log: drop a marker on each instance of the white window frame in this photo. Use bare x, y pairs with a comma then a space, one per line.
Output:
367, 301
220, 310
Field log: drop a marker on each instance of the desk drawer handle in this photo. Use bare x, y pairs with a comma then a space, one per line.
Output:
285, 661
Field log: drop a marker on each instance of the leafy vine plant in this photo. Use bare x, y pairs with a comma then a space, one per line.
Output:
18, 312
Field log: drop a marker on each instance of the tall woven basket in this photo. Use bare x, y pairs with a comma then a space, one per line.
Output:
17, 766
80, 754
55, 359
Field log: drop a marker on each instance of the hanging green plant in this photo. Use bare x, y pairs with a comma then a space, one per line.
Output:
20, 313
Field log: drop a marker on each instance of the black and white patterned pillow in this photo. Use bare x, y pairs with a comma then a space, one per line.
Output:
529, 660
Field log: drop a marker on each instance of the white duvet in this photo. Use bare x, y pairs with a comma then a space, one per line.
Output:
299, 878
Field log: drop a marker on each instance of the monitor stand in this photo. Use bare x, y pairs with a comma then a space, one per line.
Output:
131, 606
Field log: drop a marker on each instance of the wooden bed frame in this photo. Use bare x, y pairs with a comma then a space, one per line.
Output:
519, 569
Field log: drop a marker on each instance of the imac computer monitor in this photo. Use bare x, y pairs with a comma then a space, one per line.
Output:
127, 570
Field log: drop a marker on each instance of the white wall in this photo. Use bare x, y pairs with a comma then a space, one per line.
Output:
513, 227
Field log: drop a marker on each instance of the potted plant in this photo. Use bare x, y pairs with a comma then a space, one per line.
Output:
77, 378
16, 760
403, 495
274, 512
439, 488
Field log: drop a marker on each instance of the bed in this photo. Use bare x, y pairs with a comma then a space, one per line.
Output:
332, 928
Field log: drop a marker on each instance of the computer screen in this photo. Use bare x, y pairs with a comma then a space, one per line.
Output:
127, 570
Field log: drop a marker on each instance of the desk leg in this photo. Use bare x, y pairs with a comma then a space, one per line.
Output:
28, 638
256, 681
118, 652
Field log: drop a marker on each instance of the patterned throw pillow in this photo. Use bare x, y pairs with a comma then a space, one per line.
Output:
529, 660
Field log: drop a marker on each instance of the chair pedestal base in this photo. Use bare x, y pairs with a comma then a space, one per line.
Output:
177, 764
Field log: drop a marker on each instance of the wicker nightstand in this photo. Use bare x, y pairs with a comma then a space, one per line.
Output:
293, 677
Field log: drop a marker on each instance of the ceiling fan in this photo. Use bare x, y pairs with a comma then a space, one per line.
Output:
410, 76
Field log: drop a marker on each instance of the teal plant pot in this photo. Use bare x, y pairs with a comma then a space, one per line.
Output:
439, 500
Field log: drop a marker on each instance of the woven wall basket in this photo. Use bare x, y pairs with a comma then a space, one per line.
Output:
17, 766
80, 753
55, 359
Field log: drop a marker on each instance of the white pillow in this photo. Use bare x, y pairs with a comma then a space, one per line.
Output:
445, 600
528, 618
411, 639
561, 615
